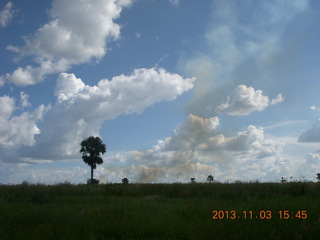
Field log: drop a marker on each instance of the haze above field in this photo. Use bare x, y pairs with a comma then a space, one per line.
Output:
176, 89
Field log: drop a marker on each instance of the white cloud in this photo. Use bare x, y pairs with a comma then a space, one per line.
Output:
78, 31
189, 134
20, 130
313, 158
67, 86
197, 149
245, 100
80, 110
311, 165
31, 75
7, 107
312, 134
314, 108
279, 98
24, 99
251, 138
6, 14
251, 141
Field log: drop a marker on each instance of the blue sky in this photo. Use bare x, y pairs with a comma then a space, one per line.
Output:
176, 89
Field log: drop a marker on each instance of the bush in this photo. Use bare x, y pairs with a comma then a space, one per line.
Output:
125, 181
94, 181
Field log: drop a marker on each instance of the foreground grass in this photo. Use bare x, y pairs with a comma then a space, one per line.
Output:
158, 211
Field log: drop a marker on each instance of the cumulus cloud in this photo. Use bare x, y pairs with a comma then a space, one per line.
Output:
312, 134
67, 86
6, 14
188, 136
197, 149
310, 165
18, 130
30, 75
245, 100
78, 31
251, 138
80, 110
7, 106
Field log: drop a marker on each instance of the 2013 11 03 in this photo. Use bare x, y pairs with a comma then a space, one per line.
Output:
263, 214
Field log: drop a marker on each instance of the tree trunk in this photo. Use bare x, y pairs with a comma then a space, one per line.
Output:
91, 173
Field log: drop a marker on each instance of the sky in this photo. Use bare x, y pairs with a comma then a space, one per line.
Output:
176, 89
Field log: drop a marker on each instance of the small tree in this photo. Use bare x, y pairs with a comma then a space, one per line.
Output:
210, 178
193, 180
125, 181
91, 148
318, 177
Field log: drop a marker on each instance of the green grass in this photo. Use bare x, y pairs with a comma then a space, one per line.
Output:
157, 211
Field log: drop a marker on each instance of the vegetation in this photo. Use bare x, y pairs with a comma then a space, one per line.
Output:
210, 178
160, 211
125, 180
318, 177
91, 148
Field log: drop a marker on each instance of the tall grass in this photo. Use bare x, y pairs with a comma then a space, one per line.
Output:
157, 211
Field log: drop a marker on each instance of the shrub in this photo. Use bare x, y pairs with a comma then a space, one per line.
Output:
125, 180
93, 181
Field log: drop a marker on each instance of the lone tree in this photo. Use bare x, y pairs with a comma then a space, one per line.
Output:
125, 181
91, 148
210, 178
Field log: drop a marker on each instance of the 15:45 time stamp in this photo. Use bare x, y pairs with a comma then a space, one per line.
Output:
263, 214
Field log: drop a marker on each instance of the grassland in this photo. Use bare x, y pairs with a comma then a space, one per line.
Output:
159, 211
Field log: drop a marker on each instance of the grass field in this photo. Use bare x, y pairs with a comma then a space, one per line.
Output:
161, 211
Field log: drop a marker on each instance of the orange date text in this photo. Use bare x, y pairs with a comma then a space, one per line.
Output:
263, 214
